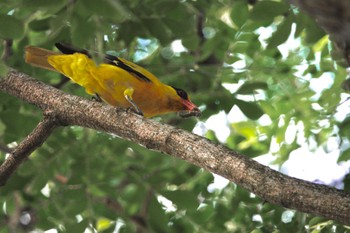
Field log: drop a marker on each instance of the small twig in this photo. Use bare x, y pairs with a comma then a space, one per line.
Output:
34, 140
7, 53
5, 148
63, 81
117, 208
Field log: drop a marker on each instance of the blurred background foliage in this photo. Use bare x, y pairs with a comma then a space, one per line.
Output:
264, 63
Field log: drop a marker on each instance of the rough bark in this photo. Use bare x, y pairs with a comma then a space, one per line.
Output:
34, 140
270, 185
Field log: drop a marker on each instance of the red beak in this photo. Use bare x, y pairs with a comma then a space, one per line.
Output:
191, 109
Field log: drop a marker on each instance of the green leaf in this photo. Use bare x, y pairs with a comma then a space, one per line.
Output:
4, 69
38, 183
103, 224
191, 42
317, 221
249, 88
19, 128
282, 33
40, 25
183, 199
346, 181
10, 27
77, 227
156, 216
82, 31
107, 8
239, 13
204, 213
250, 109
157, 29
269, 109
313, 32
129, 30
210, 134
344, 156
43, 4
75, 201
44, 8
267, 10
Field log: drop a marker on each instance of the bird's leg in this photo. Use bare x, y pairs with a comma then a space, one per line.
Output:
128, 96
97, 98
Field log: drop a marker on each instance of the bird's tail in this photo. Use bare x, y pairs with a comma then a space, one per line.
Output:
38, 57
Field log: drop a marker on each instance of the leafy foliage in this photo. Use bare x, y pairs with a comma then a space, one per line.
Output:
81, 179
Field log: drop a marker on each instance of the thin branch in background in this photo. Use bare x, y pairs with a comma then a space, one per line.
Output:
7, 53
139, 221
34, 140
5, 148
210, 60
63, 81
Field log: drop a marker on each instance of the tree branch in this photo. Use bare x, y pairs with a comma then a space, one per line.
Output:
270, 185
5, 148
7, 53
34, 140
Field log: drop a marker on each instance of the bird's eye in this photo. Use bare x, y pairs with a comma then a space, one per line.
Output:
181, 93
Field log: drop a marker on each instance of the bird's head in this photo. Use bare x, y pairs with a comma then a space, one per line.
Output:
184, 105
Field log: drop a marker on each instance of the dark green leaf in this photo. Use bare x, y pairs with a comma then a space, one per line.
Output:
82, 31
43, 4
40, 25
282, 33
312, 31
182, 199
239, 13
267, 10
250, 109
204, 213
10, 27
107, 8
249, 88
344, 156
157, 30
156, 216
77, 227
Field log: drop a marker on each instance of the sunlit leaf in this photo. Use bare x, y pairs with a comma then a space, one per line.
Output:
103, 224
320, 44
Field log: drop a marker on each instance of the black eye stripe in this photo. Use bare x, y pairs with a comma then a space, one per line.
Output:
181, 93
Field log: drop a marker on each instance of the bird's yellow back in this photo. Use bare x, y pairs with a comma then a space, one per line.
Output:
110, 82
120, 83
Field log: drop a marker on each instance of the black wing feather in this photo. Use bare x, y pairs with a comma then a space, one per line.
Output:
68, 49
114, 60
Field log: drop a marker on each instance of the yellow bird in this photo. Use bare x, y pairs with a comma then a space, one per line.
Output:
118, 82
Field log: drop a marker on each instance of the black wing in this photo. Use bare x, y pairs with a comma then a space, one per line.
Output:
68, 49
114, 60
